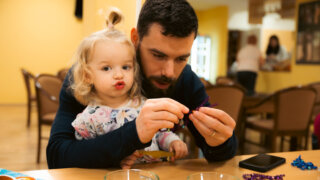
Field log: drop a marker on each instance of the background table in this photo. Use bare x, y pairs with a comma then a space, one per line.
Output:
182, 168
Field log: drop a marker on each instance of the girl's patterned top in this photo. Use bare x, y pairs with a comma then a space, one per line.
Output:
97, 120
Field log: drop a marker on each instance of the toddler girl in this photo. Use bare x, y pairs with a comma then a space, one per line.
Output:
106, 79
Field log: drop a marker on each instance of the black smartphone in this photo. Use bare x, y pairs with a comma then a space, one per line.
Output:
262, 162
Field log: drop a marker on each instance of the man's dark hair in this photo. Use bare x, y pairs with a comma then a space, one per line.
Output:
176, 17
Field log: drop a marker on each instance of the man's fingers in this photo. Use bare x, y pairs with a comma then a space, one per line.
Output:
202, 129
160, 124
210, 122
170, 105
165, 115
212, 129
222, 116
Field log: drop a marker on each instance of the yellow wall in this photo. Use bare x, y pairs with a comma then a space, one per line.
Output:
94, 19
42, 35
39, 35
214, 23
300, 74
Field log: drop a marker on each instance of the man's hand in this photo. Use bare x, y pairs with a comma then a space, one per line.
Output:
180, 149
127, 162
214, 125
157, 114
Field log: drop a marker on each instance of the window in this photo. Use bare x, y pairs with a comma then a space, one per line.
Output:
200, 56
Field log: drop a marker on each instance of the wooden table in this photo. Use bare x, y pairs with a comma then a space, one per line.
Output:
181, 169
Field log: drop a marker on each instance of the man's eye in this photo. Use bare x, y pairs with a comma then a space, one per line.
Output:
181, 59
106, 68
159, 56
126, 67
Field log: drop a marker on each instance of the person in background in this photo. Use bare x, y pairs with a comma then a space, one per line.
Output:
249, 59
163, 39
275, 54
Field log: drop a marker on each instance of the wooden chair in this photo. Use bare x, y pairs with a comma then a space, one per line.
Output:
223, 80
47, 91
229, 98
292, 110
316, 108
31, 98
62, 73
206, 83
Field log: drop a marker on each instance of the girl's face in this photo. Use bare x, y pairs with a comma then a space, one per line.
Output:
112, 70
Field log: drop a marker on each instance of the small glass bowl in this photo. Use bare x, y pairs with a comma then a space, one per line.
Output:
131, 174
211, 176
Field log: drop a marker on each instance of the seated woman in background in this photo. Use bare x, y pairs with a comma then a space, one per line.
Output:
276, 55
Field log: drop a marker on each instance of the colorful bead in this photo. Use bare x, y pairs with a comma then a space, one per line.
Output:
299, 163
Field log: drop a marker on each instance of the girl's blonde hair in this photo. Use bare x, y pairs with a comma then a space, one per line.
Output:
82, 86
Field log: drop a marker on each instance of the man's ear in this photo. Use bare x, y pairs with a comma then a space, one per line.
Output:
134, 37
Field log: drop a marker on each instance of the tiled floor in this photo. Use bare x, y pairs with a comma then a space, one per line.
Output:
17, 142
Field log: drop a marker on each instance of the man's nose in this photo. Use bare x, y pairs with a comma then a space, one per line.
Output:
168, 69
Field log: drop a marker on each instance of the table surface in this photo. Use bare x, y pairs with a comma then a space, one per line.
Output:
182, 168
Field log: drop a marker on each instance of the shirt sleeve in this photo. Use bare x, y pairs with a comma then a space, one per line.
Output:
104, 151
282, 54
164, 139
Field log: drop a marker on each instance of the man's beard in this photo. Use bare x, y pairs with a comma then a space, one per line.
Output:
149, 89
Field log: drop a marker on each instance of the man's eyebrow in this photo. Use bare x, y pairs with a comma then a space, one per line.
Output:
163, 54
158, 52
185, 55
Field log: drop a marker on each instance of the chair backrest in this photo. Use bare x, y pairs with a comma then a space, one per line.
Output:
62, 73
228, 97
206, 83
293, 108
222, 80
47, 91
316, 108
316, 86
27, 77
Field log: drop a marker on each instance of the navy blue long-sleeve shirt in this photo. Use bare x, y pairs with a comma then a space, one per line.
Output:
108, 150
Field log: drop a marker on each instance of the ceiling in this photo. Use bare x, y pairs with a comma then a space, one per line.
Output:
207, 4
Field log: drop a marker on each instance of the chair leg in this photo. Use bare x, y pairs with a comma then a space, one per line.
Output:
242, 139
29, 114
273, 143
281, 143
293, 143
39, 144
306, 143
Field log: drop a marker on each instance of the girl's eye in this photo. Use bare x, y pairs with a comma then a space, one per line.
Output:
107, 68
126, 67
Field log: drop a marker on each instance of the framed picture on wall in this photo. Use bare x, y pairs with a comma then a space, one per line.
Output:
308, 36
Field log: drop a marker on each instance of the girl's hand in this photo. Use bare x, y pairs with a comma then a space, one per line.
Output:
128, 161
180, 148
